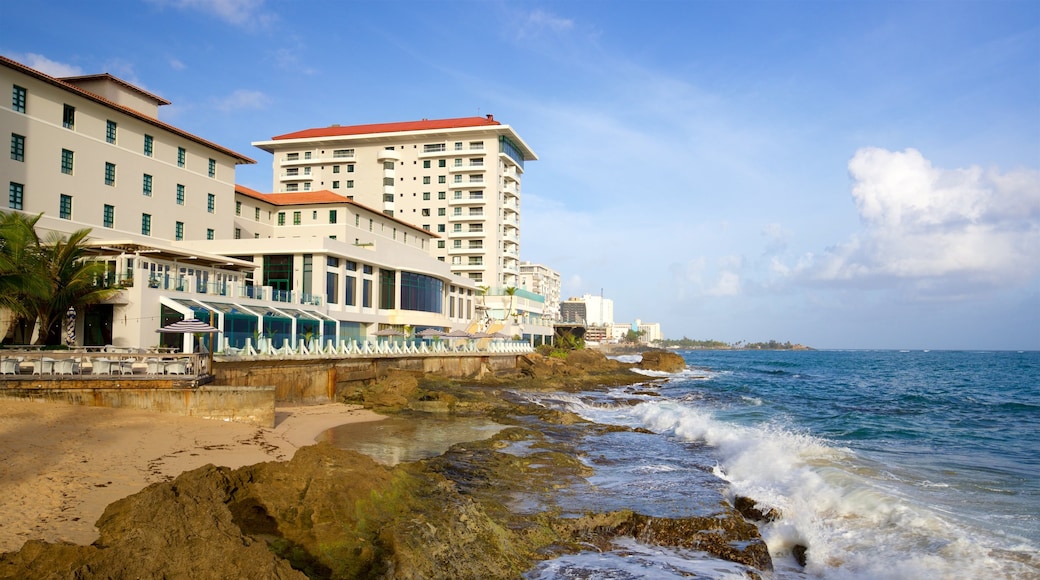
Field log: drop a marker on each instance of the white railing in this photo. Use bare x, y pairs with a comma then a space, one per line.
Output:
367, 348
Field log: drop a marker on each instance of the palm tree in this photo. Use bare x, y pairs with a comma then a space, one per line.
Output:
20, 255
68, 279
511, 292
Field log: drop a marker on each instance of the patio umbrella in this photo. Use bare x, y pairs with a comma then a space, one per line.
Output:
70, 326
500, 335
193, 326
458, 334
389, 332
187, 325
430, 333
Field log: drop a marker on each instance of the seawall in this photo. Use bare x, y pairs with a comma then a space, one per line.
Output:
253, 405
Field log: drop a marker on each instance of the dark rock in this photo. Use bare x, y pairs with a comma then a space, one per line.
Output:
750, 510
800, 554
662, 360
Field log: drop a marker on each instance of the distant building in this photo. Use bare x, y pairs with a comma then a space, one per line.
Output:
457, 178
545, 282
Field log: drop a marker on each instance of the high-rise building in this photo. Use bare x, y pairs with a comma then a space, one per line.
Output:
457, 178
545, 282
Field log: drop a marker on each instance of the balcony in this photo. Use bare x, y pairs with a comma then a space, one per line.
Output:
388, 155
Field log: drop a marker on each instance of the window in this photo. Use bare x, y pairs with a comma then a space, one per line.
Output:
426, 180
457, 244
14, 195
306, 154
211, 202
256, 214
68, 117
292, 156
335, 168
350, 184
238, 208
426, 196
109, 217
110, 173
335, 185
351, 265
476, 261
388, 197
388, 181
210, 233
314, 215
440, 229
18, 99
440, 244
238, 233
146, 185
457, 228
149, 144
442, 163
458, 179
350, 291
281, 218
146, 224
441, 211
343, 153
181, 155
458, 145
457, 212
67, 161
212, 167
65, 207
350, 168
307, 186
178, 230
110, 131
442, 179
333, 217
426, 164
434, 148
292, 187
442, 195
476, 145
426, 212
180, 194
17, 147
296, 217
458, 163
366, 293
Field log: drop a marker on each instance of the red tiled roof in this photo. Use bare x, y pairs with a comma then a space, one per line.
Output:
295, 197
316, 197
127, 110
423, 125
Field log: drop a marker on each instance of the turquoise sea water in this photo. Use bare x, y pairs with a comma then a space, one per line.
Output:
885, 464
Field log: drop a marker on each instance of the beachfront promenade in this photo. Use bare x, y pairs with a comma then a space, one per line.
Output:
102, 364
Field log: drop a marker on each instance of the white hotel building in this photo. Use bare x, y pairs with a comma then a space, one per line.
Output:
181, 240
457, 178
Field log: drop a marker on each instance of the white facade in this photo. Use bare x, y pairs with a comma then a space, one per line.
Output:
599, 311
458, 178
180, 242
545, 282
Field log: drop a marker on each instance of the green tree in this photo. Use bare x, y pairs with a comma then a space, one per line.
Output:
69, 281
20, 255
511, 292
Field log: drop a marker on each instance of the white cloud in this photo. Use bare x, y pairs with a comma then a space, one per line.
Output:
177, 64
728, 284
237, 12
47, 66
945, 231
539, 22
242, 99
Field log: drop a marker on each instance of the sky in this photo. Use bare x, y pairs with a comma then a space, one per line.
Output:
845, 174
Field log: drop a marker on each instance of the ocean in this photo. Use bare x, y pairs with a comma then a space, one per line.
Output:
883, 464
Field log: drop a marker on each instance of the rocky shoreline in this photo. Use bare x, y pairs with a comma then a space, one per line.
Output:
485, 509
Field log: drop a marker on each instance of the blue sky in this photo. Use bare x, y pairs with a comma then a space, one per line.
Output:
840, 174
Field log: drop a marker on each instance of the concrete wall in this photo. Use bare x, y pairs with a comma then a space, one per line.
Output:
307, 381
253, 405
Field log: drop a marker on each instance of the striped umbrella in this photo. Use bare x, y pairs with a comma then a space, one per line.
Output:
70, 326
191, 325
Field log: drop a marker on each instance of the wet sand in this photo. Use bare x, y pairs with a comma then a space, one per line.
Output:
61, 465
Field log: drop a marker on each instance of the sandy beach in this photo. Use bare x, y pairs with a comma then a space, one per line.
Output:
61, 465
